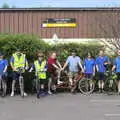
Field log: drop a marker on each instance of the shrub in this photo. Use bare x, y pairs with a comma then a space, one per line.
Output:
64, 50
30, 44
27, 43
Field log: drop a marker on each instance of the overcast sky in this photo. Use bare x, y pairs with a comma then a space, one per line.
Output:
61, 3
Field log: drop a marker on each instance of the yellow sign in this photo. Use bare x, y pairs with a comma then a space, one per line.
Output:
59, 25
67, 22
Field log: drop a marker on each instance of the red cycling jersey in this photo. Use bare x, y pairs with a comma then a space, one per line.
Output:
51, 61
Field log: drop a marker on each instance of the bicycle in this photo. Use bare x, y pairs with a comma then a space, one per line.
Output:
79, 82
3, 86
110, 82
86, 85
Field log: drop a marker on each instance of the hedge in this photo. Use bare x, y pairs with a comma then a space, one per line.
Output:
27, 43
64, 50
30, 45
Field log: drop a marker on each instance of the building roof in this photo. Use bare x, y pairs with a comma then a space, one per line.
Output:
61, 9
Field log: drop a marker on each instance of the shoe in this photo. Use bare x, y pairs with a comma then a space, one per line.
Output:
43, 94
53, 88
49, 92
25, 94
12, 94
59, 82
38, 96
102, 91
46, 93
73, 91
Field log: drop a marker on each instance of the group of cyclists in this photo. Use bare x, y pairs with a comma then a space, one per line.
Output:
46, 69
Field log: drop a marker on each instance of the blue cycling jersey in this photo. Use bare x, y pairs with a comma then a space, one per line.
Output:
3, 64
89, 65
117, 64
100, 60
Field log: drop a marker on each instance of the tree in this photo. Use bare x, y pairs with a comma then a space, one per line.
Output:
5, 5
109, 28
13, 6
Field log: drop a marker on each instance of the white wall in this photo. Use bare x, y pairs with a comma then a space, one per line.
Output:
75, 40
100, 41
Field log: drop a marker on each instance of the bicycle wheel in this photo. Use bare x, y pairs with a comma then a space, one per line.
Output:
33, 89
37, 86
110, 86
21, 82
86, 86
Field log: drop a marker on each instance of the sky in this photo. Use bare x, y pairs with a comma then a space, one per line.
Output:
61, 3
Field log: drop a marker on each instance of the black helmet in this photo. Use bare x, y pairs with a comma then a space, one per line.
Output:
74, 51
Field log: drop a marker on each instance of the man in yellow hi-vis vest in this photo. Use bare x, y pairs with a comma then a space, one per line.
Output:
18, 61
40, 66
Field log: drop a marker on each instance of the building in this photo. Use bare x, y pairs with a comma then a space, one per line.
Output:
67, 23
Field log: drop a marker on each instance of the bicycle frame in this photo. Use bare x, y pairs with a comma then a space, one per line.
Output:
79, 77
75, 80
110, 82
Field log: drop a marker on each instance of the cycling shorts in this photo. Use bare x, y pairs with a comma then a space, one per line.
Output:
89, 75
16, 75
3, 76
101, 76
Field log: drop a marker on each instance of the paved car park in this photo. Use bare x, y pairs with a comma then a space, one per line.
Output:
63, 106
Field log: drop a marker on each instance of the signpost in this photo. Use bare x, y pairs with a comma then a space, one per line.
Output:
55, 40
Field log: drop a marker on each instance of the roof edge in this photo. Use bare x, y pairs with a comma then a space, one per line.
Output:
60, 9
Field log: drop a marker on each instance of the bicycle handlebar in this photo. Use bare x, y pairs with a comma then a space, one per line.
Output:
20, 69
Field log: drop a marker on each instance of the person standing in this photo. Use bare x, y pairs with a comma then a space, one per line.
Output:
116, 67
18, 60
54, 69
73, 62
101, 62
3, 73
89, 68
40, 66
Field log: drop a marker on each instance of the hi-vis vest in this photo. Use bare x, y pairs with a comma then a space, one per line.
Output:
39, 69
19, 62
